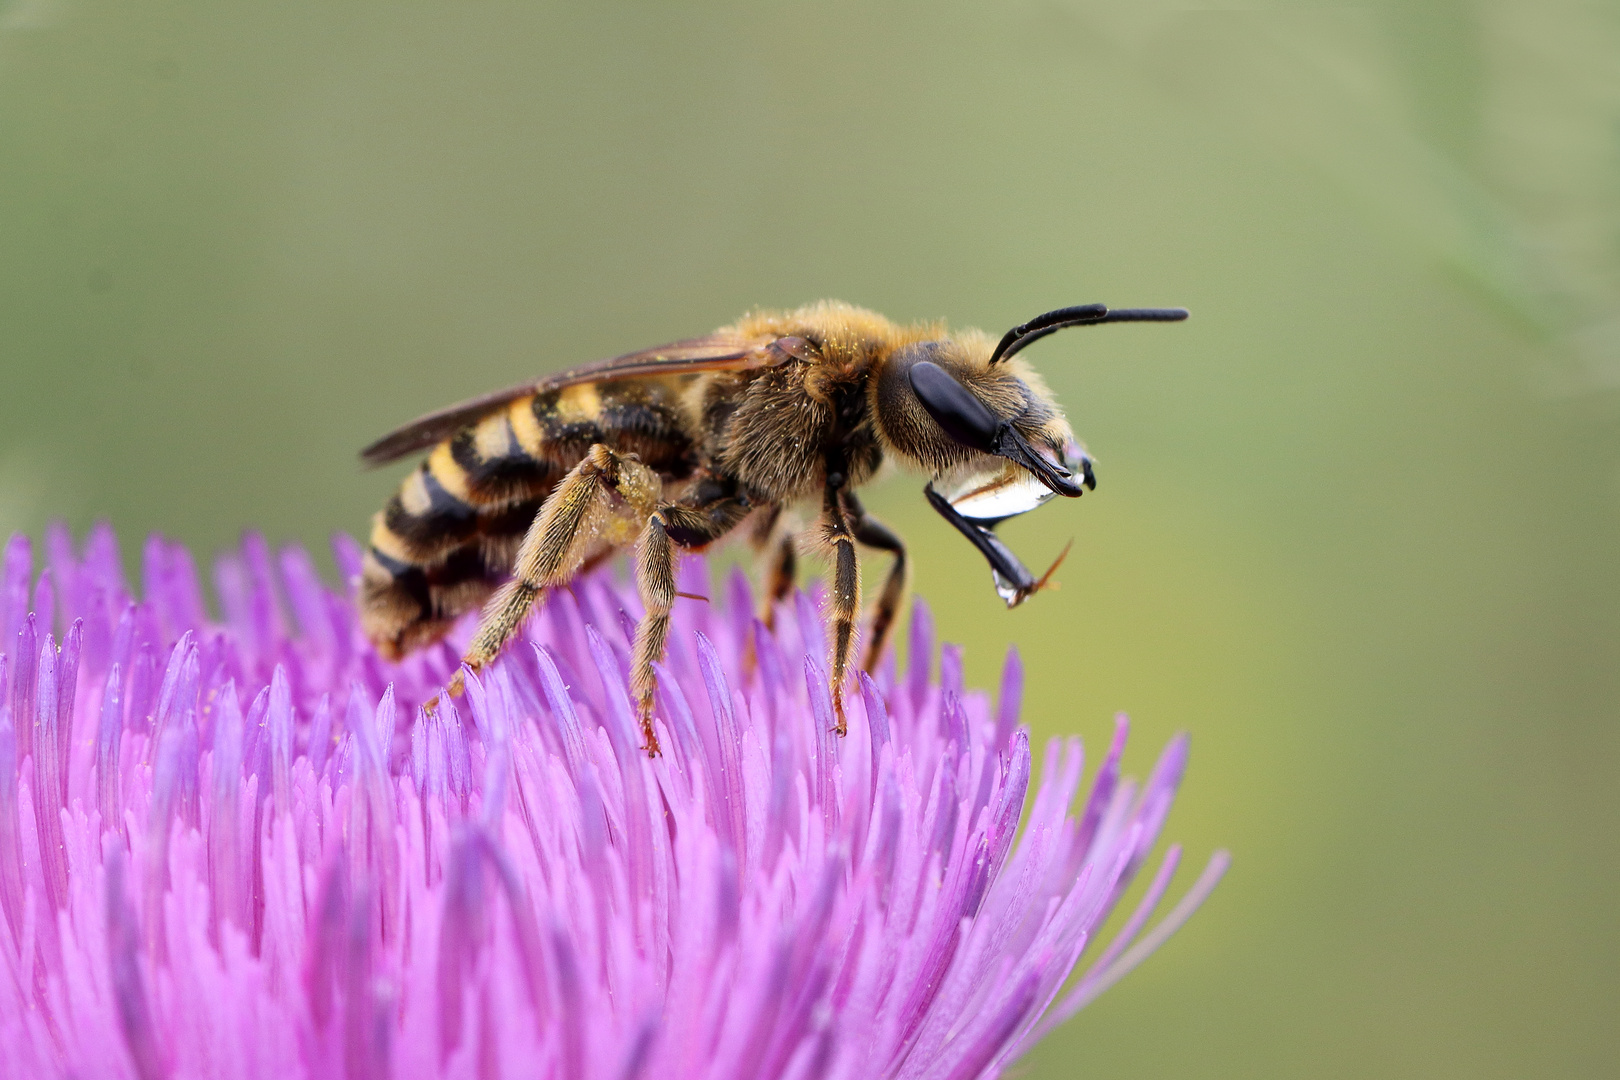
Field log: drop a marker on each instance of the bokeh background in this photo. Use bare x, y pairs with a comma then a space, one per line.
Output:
1357, 520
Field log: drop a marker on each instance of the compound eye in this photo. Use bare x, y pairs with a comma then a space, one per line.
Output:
964, 417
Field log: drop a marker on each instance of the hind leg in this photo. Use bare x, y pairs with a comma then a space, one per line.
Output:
557, 543
563, 533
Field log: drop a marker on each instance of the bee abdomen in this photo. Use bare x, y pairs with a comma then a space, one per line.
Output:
632, 417
464, 490
495, 466
426, 517
405, 605
450, 533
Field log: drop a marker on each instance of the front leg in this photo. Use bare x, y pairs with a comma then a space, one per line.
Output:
846, 591
1014, 583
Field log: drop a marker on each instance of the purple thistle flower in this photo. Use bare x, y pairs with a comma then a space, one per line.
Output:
242, 848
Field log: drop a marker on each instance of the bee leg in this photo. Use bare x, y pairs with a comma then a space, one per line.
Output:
872, 533
668, 526
655, 580
764, 526
557, 543
846, 592
774, 539
784, 567
773, 542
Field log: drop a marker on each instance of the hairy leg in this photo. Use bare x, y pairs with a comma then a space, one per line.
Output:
704, 517
872, 533
557, 543
772, 537
846, 594
779, 576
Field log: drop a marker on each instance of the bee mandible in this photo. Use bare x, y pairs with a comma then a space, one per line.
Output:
675, 447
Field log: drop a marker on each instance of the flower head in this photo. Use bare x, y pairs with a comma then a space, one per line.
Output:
241, 848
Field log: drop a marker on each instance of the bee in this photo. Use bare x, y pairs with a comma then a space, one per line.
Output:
677, 446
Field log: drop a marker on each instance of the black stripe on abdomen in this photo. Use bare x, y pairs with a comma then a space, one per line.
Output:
497, 468
651, 430
427, 519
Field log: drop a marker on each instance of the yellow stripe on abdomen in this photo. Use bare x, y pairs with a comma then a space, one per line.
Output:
526, 427
388, 542
492, 438
578, 403
451, 477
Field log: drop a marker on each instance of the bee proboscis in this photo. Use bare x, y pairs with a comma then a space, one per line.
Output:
677, 446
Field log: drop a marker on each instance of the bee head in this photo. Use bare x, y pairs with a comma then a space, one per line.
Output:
957, 406
942, 405
950, 404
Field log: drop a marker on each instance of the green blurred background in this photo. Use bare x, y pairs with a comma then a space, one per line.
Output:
1357, 521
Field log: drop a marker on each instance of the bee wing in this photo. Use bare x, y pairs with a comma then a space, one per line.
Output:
715, 352
435, 427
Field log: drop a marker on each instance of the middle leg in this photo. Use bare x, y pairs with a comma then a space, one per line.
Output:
777, 554
772, 539
872, 533
705, 515
783, 568
846, 592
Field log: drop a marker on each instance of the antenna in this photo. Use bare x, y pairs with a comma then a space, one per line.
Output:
1026, 334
